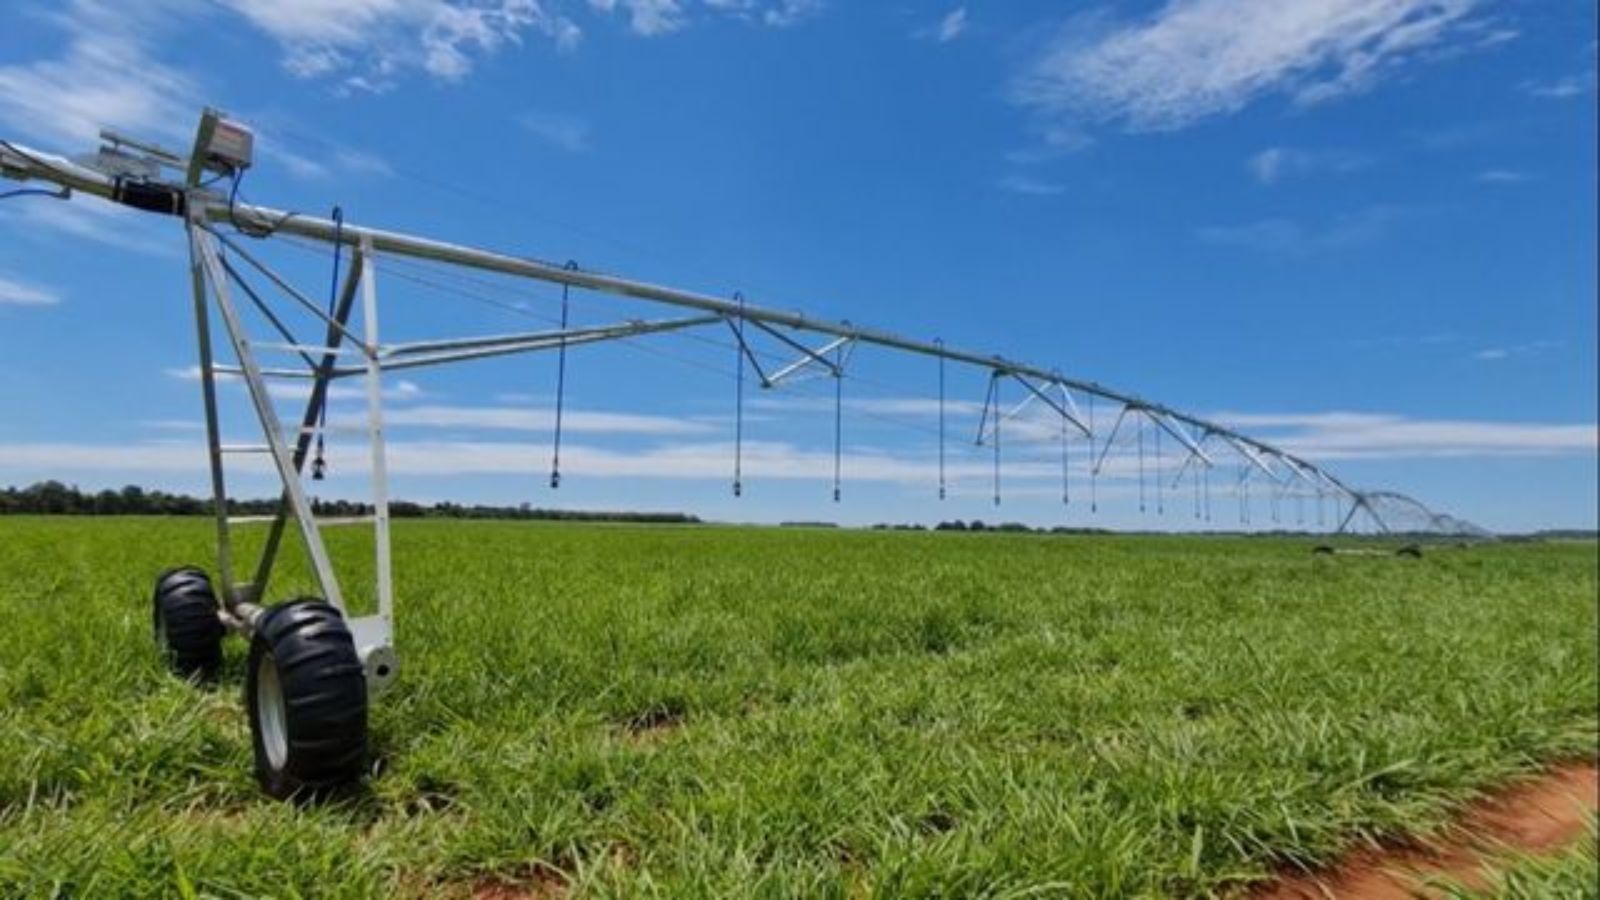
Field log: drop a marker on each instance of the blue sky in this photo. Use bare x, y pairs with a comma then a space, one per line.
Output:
1363, 228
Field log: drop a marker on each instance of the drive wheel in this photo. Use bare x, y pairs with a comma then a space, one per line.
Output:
307, 696
185, 623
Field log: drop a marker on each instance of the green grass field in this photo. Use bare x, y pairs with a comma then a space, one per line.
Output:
716, 712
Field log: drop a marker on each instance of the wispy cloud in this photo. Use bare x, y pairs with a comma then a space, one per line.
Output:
1275, 164
1288, 236
562, 132
1194, 59
90, 219
947, 29
369, 43
22, 293
400, 390
1351, 435
1435, 338
111, 74
1563, 88
106, 75
503, 418
1501, 176
1531, 348
1322, 436
1032, 187
650, 18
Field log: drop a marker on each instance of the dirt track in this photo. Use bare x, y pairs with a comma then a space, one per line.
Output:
1535, 817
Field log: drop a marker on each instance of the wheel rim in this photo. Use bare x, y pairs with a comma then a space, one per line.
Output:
270, 711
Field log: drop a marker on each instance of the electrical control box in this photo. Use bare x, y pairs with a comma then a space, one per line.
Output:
231, 147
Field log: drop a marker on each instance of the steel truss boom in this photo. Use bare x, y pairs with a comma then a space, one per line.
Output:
262, 221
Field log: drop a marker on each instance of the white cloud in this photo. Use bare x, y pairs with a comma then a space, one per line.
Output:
1349, 435
88, 218
1562, 88
105, 76
1532, 348
370, 42
788, 12
1033, 187
1288, 236
502, 418
1275, 164
110, 75
947, 29
953, 25
647, 17
1323, 437
1501, 176
22, 293
297, 392
650, 18
463, 418
1193, 59
562, 132
1053, 140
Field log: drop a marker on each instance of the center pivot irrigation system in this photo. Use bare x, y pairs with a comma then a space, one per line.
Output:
312, 665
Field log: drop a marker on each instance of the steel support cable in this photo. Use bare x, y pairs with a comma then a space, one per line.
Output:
529, 267
397, 265
561, 382
656, 351
699, 337
520, 310
523, 311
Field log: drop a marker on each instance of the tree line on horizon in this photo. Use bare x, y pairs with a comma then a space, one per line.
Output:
53, 498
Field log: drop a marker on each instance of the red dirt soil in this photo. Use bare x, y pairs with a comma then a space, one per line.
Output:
1544, 814
1547, 813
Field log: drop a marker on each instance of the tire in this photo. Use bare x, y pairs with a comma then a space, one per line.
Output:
184, 621
307, 697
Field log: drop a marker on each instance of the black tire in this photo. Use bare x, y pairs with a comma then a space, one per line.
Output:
183, 610
307, 697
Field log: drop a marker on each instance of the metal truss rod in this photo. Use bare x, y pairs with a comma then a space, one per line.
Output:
266, 312
393, 352
1109, 438
546, 341
282, 285
1049, 401
313, 413
1250, 456
813, 357
287, 471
